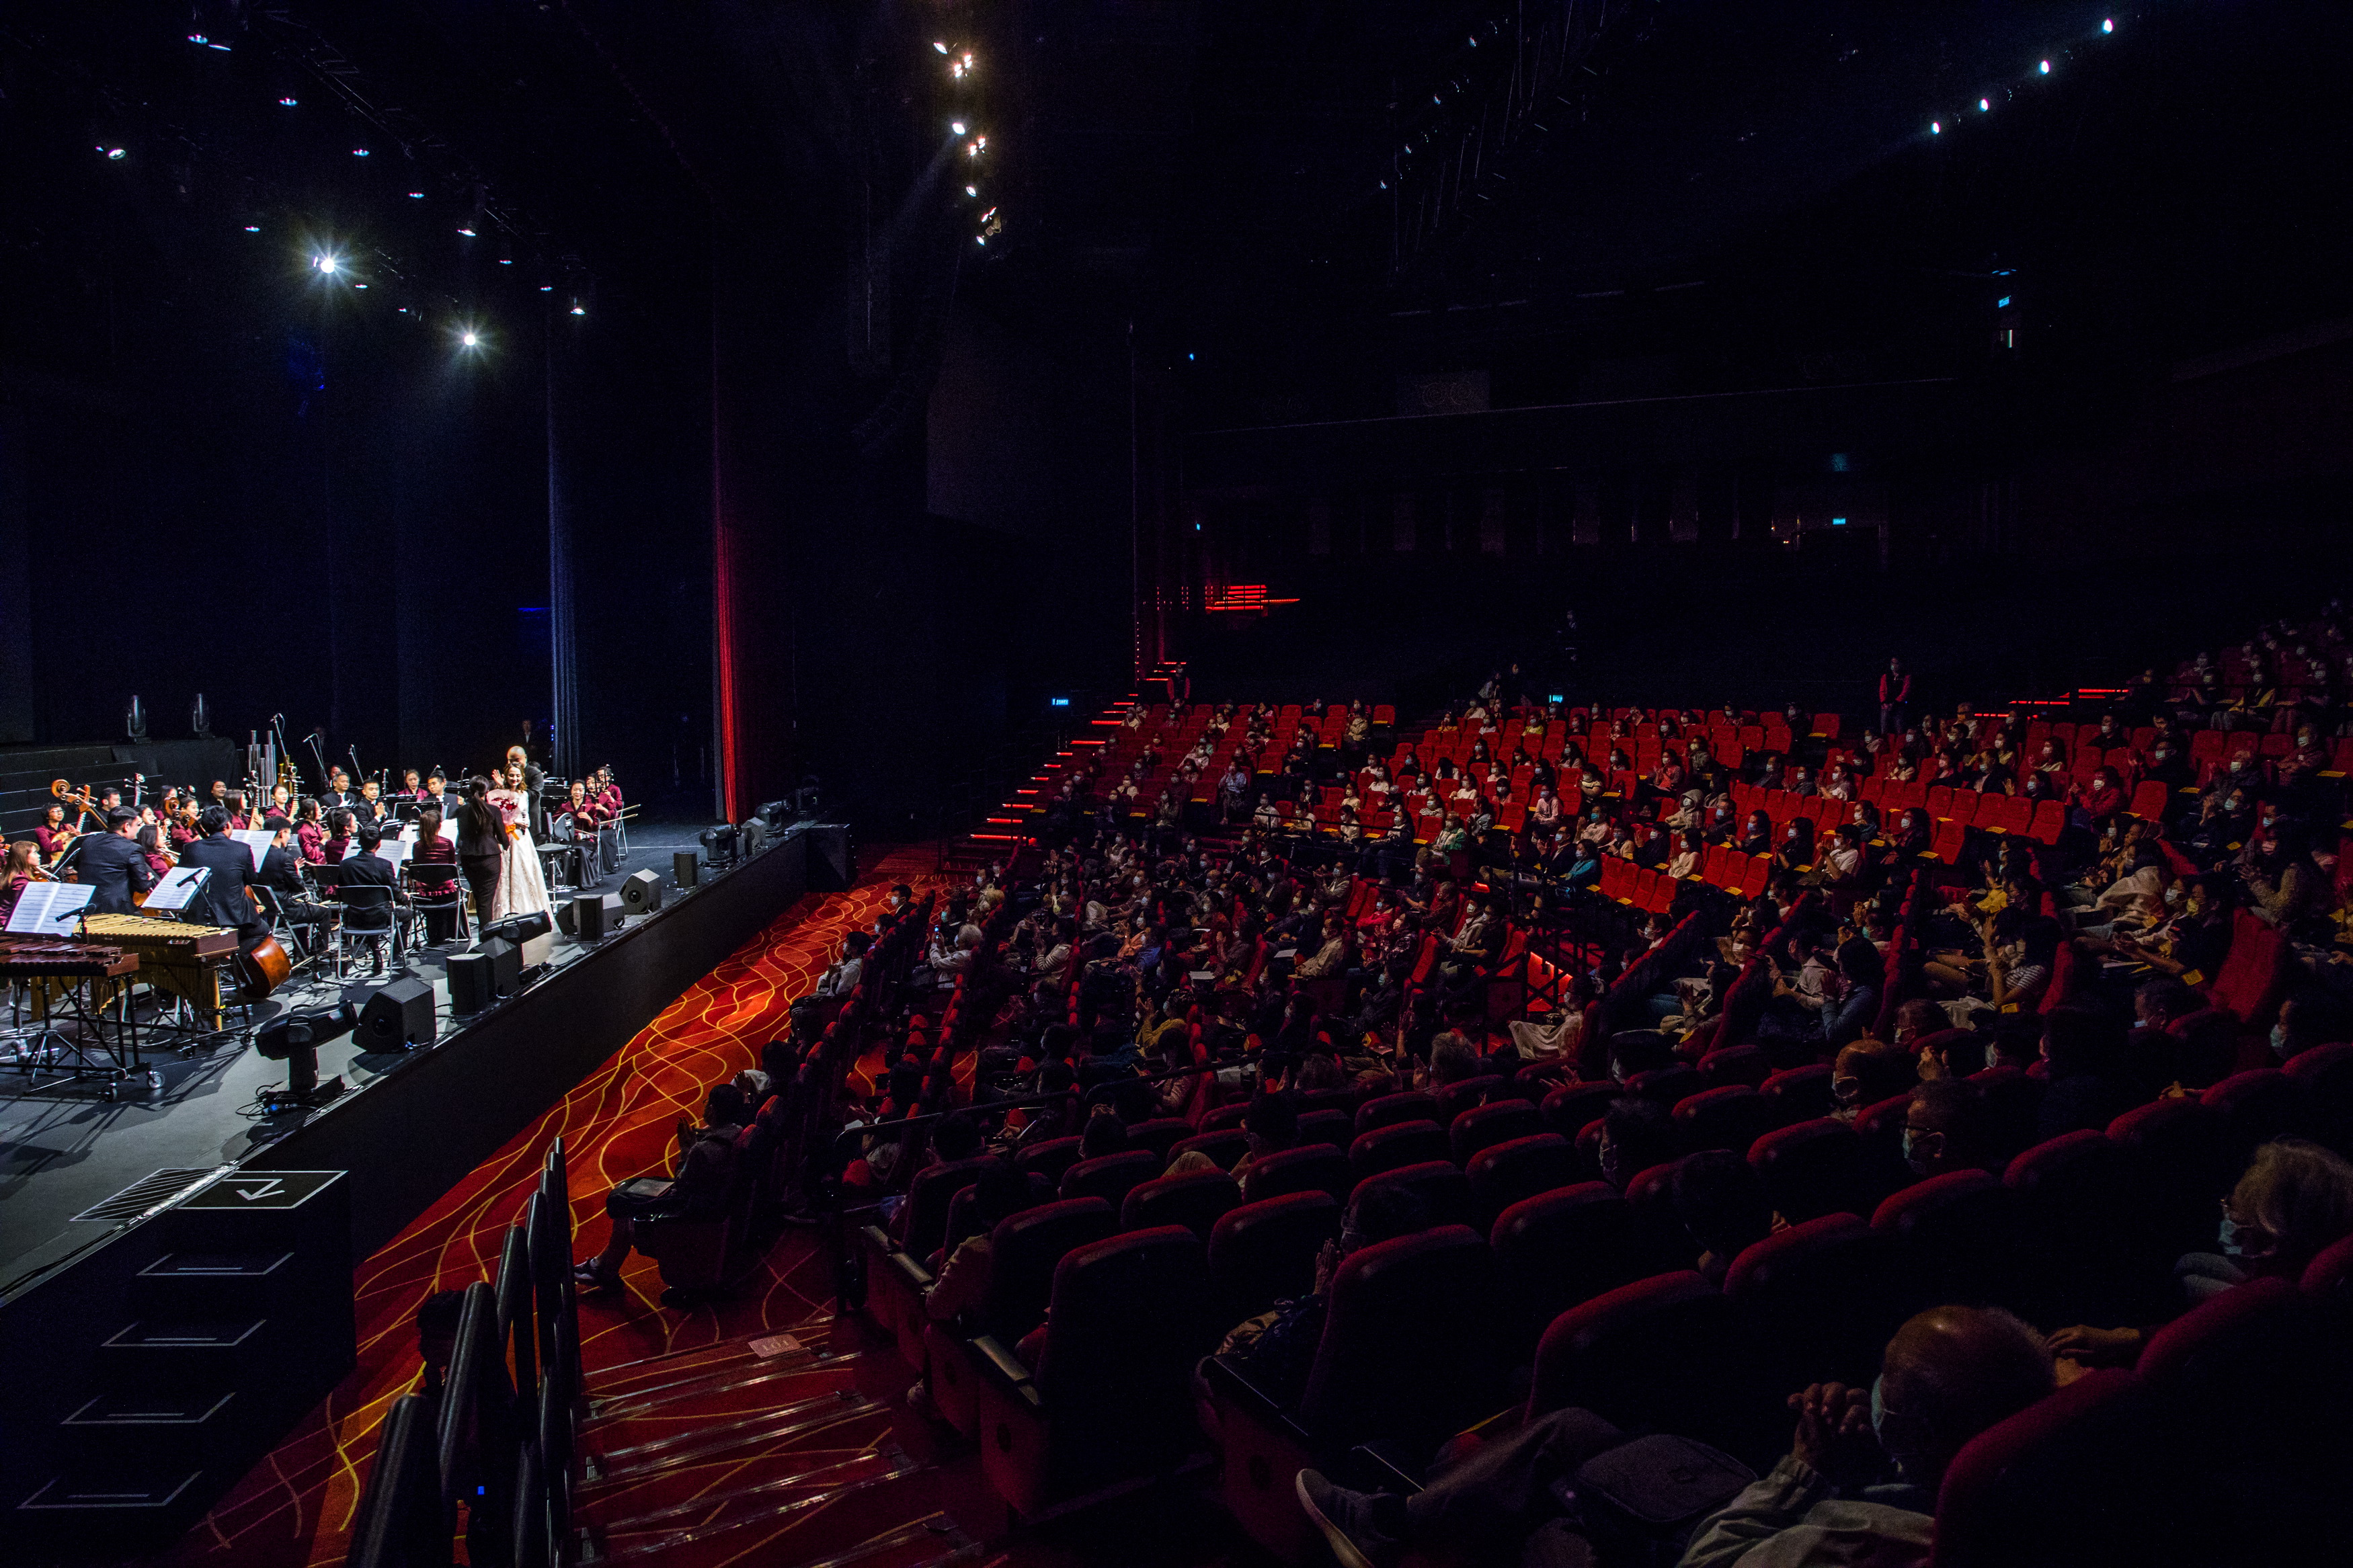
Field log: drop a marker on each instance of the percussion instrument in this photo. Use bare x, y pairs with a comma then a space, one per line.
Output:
183, 959
62, 958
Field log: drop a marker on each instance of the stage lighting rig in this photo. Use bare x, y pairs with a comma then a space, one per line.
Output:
294, 1039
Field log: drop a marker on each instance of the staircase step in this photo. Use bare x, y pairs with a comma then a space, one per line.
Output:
819, 1514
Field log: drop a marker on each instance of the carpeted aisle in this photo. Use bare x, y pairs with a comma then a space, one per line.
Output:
295, 1510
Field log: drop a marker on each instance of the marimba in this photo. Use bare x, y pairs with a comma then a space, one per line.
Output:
188, 961
86, 975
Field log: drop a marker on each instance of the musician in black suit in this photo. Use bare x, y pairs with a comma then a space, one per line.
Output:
339, 791
281, 873
363, 868
221, 900
113, 865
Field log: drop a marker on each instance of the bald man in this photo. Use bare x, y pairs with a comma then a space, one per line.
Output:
1947, 1375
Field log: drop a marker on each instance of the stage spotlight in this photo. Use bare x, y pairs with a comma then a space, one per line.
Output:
1936, 128
466, 231
253, 228
956, 126
359, 285
326, 264
470, 340
1983, 105
980, 240
115, 154
416, 196
2109, 25
939, 46
2046, 67
359, 152
578, 312
287, 102
506, 261
972, 190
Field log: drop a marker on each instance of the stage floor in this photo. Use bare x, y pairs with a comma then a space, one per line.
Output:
64, 1151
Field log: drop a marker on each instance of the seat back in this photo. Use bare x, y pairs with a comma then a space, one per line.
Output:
1484, 1126
1388, 1109
1444, 1192
1407, 1350
1669, 1085
1732, 1117
1809, 1169
1735, 1064
1195, 1199
2084, 1233
1564, 1246
1048, 1159
1116, 1397
1957, 1234
929, 1196
1505, 1174
2053, 1484
1336, 1128
1395, 1144
2176, 1149
1660, 1355
1567, 1109
1822, 1299
1311, 1168
2327, 1074
1799, 1094
1455, 1099
1263, 1252
1111, 1176
2257, 1107
1224, 1147
1160, 1134
1024, 1251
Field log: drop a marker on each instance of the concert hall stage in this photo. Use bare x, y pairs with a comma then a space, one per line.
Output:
138, 1232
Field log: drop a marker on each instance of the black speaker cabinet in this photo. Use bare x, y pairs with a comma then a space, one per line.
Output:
398, 1015
640, 893
567, 917
584, 917
832, 864
506, 965
685, 870
471, 986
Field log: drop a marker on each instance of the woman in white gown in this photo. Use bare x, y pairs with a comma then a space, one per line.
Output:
521, 890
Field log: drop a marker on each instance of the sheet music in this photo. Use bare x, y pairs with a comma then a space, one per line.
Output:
257, 841
174, 888
48, 908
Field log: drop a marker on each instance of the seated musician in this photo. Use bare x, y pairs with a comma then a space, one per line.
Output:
338, 844
218, 794
608, 796
111, 864
54, 834
240, 816
281, 873
409, 786
23, 870
432, 850
155, 847
311, 833
220, 900
364, 868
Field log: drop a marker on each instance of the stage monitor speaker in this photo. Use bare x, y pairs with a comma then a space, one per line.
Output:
590, 920
641, 893
686, 869
472, 984
398, 1015
518, 928
832, 864
567, 917
506, 963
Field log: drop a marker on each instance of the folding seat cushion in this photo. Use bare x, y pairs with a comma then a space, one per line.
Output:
1413, 1106
1568, 1108
1505, 1174
1958, 1235
2257, 1107
1048, 1159
1809, 1169
1385, 1148
1440, 1186
1263, 1252
1660, 1355
1334, 1127
1454, 1099
1484, 1126
1310, 1168
1195, 1199
1798, 1094
1734, 1064
1223, 1147
1160, 1134
1820, 1300
2178, 1152
1730, 1117
1106, 1403
2068, 1480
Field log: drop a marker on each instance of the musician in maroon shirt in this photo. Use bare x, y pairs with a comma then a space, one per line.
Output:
54, 834
432, 850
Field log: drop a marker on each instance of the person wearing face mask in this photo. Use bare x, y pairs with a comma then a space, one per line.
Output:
1947, 1128
2294, 1200
1867, 1073
1636, 1134
2282, 886
2310, 1018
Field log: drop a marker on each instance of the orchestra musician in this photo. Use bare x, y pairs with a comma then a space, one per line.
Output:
219, 794
432, 850
281, 873
151, 844
113, 867
338, 844
409, 785
437, 791
363, 868
54, 834
311, 834
22, 870
369, 807
220, 900
339, 789
239, 817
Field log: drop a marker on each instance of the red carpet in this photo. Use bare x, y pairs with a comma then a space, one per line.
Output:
295, 1510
